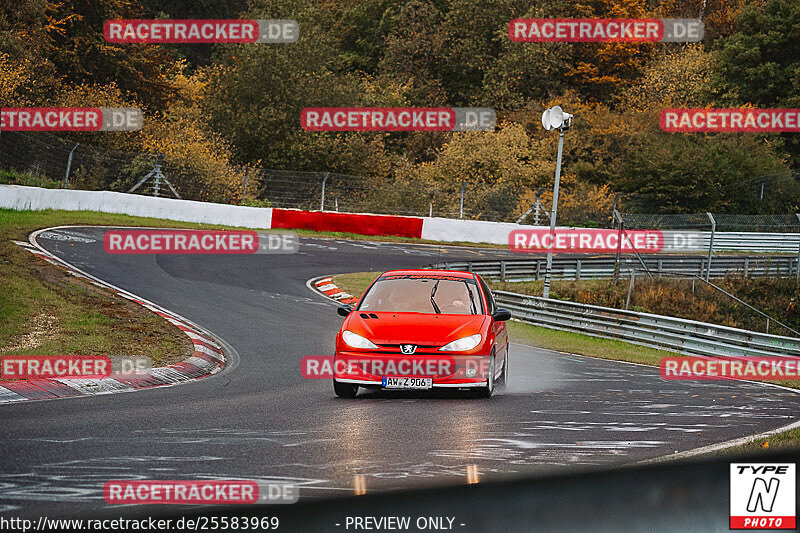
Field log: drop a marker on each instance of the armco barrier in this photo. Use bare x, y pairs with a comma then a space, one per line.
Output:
453, 230
432, 228
603, 267
752, 242
37, 199
347, 222
457, 230
675, 334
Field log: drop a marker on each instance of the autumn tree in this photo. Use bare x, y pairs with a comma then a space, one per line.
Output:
601, 70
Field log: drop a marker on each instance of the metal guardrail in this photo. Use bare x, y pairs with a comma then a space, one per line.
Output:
680, 335
603, 267
729, 241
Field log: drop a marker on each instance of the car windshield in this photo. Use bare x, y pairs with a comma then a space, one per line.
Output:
410, 293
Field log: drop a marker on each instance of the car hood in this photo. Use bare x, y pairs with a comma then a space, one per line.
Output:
414, 328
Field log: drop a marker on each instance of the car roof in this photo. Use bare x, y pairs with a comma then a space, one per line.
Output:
456, 273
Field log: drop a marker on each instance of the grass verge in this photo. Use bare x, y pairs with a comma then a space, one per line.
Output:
785, 439
45, 311
355, 283
9, 177
567, 341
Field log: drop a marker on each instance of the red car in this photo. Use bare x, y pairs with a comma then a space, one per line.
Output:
422, 329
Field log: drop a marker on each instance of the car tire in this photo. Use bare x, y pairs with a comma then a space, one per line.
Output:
345, 390
502, 381
488, 390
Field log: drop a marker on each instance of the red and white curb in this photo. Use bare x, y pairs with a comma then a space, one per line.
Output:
329, 289
208, 357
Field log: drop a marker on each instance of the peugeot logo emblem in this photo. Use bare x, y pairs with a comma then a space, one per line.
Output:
408, 349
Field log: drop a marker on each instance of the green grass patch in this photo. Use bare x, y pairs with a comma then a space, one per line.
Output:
577, 343
355, 283
782, 440
10, 177
45, 311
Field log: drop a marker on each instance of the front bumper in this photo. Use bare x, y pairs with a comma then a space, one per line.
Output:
445, 371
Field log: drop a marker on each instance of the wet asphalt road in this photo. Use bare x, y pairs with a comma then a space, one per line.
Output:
259, 419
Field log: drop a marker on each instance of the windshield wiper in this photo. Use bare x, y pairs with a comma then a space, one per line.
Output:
433, 302
471, 299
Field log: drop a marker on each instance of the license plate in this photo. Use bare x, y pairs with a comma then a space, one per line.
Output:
407, 383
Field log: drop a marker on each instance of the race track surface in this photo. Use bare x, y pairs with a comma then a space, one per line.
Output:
259, 419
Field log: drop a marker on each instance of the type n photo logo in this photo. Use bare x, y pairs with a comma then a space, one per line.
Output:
763, 496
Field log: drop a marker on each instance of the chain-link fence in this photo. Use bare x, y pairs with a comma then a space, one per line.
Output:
720, 232
775, 192
341, 192
70, 163
717, 221
47, 160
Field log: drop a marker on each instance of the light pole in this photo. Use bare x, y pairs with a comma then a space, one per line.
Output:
554, 118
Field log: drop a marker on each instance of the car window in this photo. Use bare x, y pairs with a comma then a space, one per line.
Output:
412, 294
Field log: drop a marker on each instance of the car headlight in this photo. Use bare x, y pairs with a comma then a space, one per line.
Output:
355, 340
463, 344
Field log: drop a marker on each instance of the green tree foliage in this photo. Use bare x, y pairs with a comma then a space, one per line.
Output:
256, 94
759, 64
81, 54
692, 173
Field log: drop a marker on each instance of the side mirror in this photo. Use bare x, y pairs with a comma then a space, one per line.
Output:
501, 315
345, 310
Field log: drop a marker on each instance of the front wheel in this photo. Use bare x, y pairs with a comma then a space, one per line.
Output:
345, 390
488, 390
